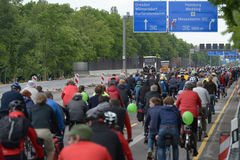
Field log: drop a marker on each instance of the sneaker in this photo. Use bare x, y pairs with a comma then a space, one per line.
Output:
205, 134
195, 153
213, 113
149, 155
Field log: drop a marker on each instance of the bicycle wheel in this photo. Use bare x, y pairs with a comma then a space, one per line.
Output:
199, 133
168, 153
188, 153
209, 115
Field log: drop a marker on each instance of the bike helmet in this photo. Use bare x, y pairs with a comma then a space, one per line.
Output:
16, 105
193, 79
110, 118
15, 86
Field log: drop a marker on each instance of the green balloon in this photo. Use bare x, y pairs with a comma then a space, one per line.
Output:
187, 118
84, 96
132, 108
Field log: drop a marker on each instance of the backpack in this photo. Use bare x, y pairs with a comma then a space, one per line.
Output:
163, 87
12, 131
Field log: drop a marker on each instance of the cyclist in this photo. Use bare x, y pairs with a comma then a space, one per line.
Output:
205, 98
212, 90
164, 87
189, 100
28, 100
125, 93
152, 93
103, 104
68, 92
131, 81
56, 110
113, 92
7, 97
80, 146
77, 109
44, 121
93, 101
16, 110
169, 118
83, 92
150, 124
31, 87
136, 91
122, 117
104, 136
173, 86
110, 119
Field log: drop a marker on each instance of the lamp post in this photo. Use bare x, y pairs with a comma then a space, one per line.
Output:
125, 17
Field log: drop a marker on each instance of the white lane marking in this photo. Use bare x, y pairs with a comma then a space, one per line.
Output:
137, 139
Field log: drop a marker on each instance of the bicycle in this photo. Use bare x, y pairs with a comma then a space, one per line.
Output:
209, 113
199, 129
189, 140
168, 142
222, 90
154, 155
29, 150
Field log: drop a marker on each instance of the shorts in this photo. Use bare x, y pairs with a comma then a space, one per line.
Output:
46, 135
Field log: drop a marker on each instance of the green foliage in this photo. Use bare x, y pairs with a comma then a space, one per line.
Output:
231, 10
45, 39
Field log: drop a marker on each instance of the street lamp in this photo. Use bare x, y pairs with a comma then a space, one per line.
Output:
125, 17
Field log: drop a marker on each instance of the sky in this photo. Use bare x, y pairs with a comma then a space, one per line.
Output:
125, 6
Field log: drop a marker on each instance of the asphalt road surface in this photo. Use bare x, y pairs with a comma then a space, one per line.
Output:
208, 148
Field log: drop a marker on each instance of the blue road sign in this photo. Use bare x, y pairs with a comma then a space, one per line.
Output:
192, 16
215, 53
150, 16
230, 53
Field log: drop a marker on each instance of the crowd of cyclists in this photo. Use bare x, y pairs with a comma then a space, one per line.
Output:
96, 122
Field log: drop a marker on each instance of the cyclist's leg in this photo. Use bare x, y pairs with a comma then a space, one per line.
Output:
175, 139
151, 138
161, 143
46, 135
212, 99
194, 131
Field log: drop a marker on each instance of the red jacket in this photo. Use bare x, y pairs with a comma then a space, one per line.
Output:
1, 153
128, 126
33, 138
125, 147
113, 92
84, 150
68, 93
117, 79
189, 101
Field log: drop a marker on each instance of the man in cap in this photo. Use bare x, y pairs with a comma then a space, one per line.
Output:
80, 146
31, 87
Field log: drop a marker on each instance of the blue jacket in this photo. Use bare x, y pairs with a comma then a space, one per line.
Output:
151, 120
169, 116
93, 101
164, 87
57, 112
136, 92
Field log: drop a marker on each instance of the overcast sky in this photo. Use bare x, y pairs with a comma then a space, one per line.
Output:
124, 6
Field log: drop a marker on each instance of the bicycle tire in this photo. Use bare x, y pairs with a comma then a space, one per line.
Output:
188, 154
199, 133
209, 116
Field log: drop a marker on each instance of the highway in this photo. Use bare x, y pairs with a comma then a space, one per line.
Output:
208, 148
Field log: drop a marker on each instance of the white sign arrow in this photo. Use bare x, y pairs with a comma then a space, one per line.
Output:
145, 21
210, 24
